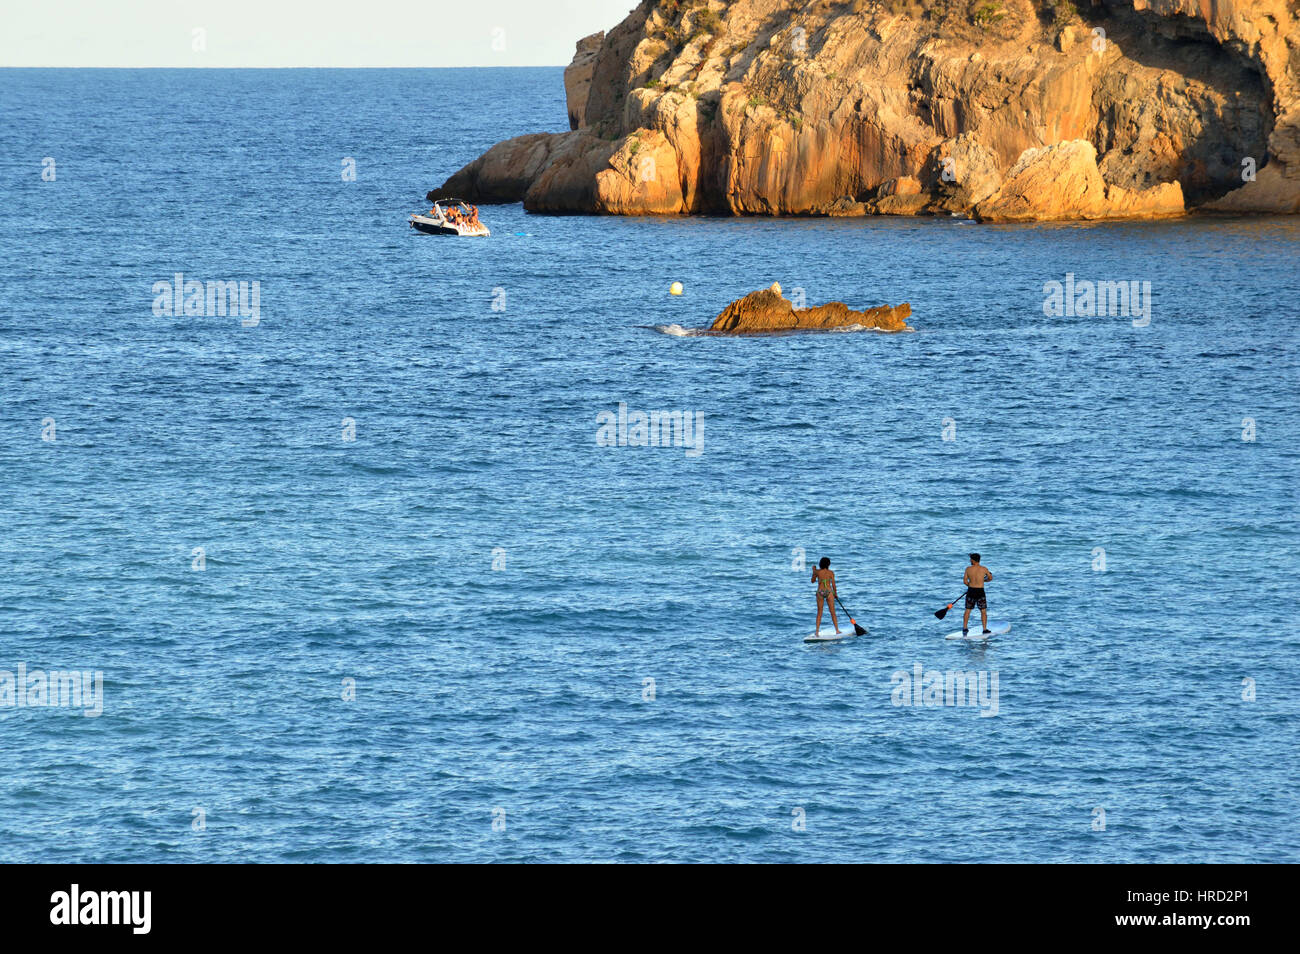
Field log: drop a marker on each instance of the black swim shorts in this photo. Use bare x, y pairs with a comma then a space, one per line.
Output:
975, 599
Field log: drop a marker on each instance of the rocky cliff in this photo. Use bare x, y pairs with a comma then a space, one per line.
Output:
577, 78
1007, 110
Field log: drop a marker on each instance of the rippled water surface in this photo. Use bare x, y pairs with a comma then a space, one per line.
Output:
522, 694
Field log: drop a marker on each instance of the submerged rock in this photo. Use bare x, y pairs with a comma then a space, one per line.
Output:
766, 311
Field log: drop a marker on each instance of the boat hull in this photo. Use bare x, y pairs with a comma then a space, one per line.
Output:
434, 227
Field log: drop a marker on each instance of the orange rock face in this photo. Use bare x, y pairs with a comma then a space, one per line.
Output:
766, 312
846, 108
1062, 182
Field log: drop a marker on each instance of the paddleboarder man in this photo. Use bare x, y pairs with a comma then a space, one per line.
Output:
825, 580
975, 577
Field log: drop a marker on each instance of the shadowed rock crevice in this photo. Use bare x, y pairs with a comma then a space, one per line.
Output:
1192, 112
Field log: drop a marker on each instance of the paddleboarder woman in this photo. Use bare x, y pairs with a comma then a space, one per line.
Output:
825, 581
975, 577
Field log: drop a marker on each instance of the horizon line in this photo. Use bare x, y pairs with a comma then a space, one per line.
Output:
515, 66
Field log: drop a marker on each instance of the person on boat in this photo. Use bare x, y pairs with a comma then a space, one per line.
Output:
975, 577
825, 580
473, 215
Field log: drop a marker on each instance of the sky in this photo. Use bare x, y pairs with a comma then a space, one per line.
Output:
288, 33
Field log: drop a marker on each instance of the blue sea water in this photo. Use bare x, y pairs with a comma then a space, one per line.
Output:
629, 683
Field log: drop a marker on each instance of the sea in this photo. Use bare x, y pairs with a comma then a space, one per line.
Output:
408, 554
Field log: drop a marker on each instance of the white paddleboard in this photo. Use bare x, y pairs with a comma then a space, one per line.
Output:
829, 636
996, 628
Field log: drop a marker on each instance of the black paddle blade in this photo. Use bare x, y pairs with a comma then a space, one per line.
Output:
940, 614
858, 630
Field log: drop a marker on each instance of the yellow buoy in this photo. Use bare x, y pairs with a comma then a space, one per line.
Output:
675, 288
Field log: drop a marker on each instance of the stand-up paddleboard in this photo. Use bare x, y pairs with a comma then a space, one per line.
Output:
830, 636
996, 628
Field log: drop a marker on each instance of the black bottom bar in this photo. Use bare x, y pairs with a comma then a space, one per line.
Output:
333, 904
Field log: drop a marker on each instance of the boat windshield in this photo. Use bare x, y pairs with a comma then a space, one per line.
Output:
455, 211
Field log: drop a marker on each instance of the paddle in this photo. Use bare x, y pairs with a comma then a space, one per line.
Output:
940, 614
857, 630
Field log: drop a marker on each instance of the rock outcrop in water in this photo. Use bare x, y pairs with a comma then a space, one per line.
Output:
1009, 110
767, 311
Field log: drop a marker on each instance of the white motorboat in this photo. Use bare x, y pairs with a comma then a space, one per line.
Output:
449, 217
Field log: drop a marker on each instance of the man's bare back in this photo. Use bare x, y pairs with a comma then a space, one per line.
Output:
975, 577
